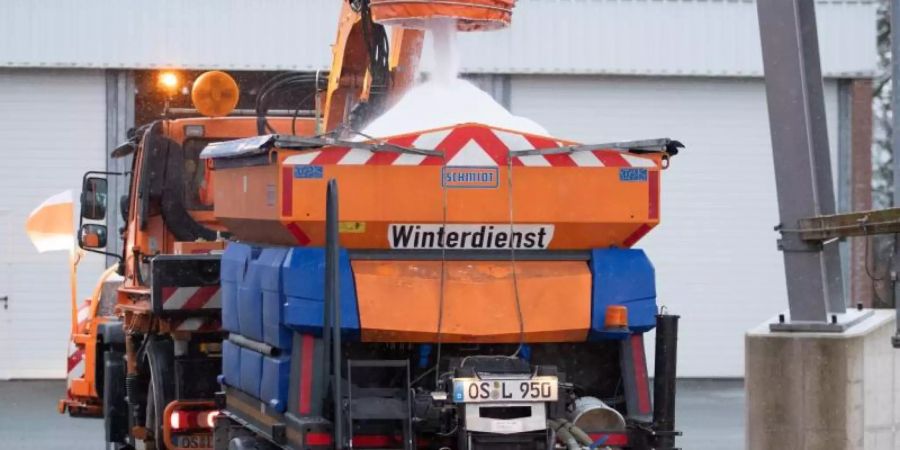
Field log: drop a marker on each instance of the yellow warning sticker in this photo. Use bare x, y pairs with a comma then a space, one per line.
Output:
352, 227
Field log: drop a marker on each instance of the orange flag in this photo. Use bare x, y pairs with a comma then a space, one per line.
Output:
50, 226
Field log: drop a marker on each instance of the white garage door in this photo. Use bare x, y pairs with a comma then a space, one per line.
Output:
715, 256
52, 130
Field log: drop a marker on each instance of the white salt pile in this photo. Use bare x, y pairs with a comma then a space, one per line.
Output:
445, 100
435, 105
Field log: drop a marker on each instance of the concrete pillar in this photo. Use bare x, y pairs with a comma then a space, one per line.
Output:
818, 391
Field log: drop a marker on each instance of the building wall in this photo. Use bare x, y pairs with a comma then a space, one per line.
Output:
715, 255
636, 37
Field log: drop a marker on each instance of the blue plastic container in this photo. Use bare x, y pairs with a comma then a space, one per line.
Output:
234, 265
276, 374
231, 363
251, 371
273, 329
250, 299
303, 279
622, 277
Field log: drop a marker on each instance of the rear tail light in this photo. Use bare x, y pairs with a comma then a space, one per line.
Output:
190, 419
210, 419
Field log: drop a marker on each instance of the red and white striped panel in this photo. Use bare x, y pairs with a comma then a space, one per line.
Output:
191, 298
74, 363
82, 316
196, 324
470, 145
75, 360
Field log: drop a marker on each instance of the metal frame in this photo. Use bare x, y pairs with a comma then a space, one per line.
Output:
895, 145
802, 164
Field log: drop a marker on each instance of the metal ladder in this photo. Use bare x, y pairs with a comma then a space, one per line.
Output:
382, 403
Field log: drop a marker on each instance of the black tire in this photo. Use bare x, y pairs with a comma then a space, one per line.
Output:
161, 389
115, 409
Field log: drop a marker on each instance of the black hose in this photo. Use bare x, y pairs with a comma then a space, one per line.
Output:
281, 82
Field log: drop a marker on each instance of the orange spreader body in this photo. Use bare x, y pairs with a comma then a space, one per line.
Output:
475, 193
399, 301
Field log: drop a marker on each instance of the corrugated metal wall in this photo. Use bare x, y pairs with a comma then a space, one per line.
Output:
716, 261
41, 159
644, 37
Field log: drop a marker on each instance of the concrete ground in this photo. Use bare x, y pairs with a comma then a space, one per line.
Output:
710, 413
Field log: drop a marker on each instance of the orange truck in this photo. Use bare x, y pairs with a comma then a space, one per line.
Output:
147, 343
291, 283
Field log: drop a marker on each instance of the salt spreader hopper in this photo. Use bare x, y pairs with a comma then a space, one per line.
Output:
458, 247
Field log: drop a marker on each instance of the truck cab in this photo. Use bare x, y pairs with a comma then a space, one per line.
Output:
150, 338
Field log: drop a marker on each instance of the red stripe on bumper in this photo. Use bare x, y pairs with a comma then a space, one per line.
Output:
318, 439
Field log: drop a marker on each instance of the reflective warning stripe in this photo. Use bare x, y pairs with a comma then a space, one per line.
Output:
75, 360
81, 318
191, 298
75, 363
471, 146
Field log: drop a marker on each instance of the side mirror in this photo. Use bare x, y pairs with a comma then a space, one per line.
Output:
92, 236
93, 198
123, 206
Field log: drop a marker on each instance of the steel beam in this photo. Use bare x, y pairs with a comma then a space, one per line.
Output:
801, 153
895, 146
863, 223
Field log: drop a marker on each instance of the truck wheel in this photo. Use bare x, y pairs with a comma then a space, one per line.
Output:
160, 391
115, 409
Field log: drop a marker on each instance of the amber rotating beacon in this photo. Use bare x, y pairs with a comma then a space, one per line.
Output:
470, 15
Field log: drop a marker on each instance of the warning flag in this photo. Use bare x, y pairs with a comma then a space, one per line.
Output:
50, 226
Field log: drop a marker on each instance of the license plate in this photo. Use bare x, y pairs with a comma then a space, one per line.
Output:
203, 440
475, 390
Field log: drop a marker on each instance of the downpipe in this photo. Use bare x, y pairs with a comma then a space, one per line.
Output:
664, 381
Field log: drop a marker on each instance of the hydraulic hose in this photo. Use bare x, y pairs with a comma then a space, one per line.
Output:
570, 435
